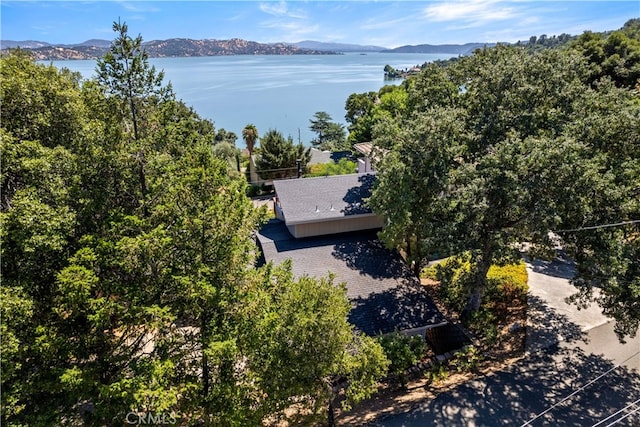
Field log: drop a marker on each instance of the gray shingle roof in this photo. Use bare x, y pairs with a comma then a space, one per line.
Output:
319, 156
324, 198
384, 293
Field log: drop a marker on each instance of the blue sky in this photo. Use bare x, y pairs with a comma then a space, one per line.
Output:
382, 23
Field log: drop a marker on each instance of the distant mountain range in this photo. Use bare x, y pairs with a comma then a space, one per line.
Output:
92, 49
179, 47
337, 47
34, 44
456, 49
459, 49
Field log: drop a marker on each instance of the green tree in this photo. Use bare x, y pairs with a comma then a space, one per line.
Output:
390, 72
407, 195
343, 167
250, 136
42, 125
228, 152
125, 72
539, 147
607, 258
301, 345
16, 309
366, 111
503, 177
330, 135
403, 352
434, 86
209, 263
278, 156
615, 55
107, 309
225, 136
392, 102
358, 107
55, 116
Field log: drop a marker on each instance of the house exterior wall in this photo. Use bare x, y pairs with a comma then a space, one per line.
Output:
253, 174
364, 165
278, 210
340, 225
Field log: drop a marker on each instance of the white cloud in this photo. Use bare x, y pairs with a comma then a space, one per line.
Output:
289, 30
469, 13
282, 9
277, 9
286, 23
384, 24
138, 6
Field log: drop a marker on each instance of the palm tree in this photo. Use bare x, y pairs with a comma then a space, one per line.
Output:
250, 135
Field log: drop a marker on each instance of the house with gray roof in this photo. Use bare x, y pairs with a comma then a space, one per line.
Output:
384, 293
326, 205
324, 226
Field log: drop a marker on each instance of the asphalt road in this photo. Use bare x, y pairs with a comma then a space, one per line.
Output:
576, 372
573, 382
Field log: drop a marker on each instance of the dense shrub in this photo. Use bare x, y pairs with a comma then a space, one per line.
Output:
508, 282
466, 359
484, 323
403, 352
343, 167
438, 373
505, 284
454, 275
253, 190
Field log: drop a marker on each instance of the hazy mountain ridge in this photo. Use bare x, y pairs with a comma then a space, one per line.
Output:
24, 44
176, 47
184, 47
460, 49
337, 47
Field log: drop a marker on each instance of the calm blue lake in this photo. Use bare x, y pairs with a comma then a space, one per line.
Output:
273, 92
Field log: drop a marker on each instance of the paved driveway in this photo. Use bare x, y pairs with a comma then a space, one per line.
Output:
550, 318
545, 381
576, 372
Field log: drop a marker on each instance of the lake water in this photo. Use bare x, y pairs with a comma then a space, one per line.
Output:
273, 91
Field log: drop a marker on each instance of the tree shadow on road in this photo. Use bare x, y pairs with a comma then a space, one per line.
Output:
561, 266
524, 391
546, 327
530, 387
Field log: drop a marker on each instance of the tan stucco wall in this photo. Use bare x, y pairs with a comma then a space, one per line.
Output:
341, 225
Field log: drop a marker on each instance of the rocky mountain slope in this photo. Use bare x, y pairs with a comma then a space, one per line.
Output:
178, 47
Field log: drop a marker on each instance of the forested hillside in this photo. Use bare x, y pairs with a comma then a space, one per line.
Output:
516, 145
128, 286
